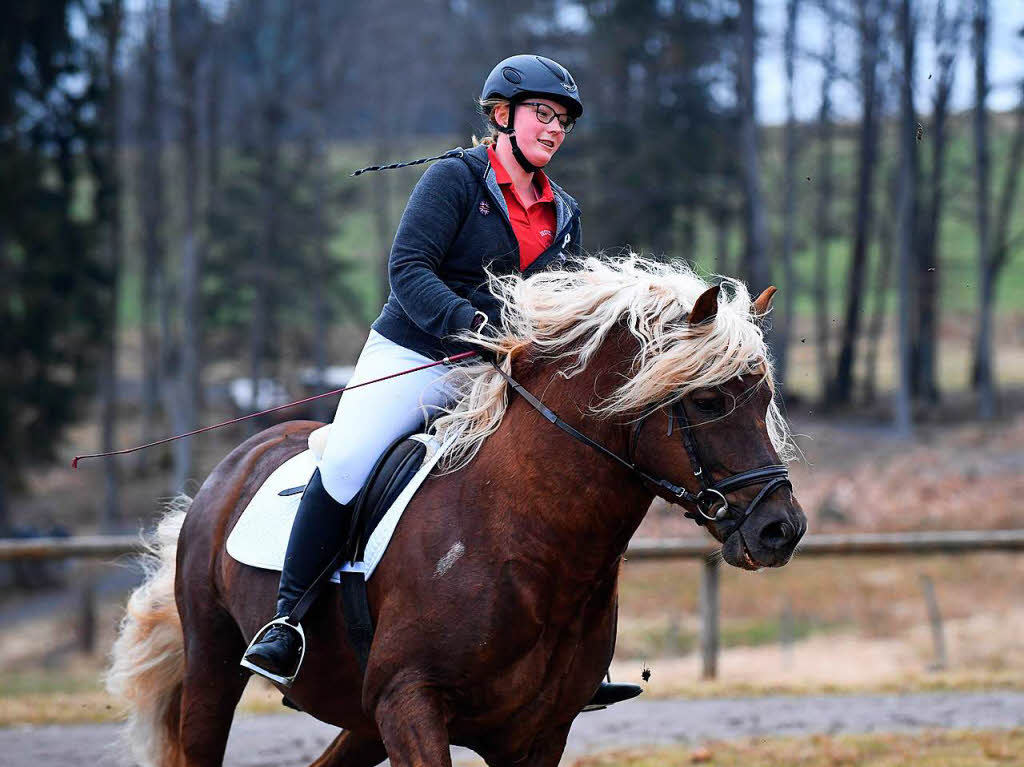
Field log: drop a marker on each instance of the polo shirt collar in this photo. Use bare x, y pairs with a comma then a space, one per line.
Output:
503, 179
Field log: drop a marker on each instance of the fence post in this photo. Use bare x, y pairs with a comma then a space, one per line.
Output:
787, 632
935, 619
709, 617
87, 609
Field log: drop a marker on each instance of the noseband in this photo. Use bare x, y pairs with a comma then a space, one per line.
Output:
711, 502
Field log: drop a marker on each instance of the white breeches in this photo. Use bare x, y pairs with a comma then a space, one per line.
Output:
369, 419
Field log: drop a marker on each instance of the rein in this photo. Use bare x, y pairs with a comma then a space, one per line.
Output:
710, 502
445, 361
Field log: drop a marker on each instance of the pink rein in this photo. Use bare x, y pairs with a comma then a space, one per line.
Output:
445, 361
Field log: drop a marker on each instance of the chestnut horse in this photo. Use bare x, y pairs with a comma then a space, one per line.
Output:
495, 604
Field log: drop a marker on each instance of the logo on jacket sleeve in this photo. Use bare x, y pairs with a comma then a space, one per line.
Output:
484, 208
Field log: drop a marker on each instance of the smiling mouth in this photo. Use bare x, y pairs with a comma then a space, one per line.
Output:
545, 142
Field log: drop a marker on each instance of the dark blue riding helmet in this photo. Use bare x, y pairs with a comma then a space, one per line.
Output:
518, 77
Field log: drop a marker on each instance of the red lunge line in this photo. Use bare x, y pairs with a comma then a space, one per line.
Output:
445, 361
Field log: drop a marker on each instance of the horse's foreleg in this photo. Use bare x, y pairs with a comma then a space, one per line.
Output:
212, 686
413, 727
352, 749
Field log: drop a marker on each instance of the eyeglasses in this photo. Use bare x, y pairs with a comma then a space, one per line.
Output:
546, 114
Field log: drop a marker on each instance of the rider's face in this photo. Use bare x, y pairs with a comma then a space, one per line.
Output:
537, 140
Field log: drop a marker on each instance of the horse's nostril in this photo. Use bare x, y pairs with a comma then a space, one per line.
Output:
776, 533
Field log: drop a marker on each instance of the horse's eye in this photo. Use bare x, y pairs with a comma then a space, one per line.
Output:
710, 405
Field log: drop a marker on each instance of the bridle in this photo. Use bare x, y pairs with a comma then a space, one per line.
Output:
710, 502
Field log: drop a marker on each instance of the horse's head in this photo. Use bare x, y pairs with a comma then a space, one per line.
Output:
716, 441
678, 375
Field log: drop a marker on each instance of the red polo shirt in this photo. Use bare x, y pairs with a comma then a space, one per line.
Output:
533, 225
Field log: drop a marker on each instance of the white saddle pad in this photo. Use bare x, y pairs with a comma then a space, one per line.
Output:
260, 536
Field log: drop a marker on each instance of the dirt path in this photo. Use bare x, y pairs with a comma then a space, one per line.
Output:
287, 739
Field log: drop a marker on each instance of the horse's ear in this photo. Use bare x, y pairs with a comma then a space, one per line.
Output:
763, 302
706, 306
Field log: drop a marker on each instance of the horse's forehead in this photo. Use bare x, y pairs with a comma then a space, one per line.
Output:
748, 385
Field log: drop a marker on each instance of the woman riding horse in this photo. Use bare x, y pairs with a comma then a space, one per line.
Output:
494, 605
494, 207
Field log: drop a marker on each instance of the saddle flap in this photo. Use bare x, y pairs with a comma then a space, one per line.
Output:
393, 471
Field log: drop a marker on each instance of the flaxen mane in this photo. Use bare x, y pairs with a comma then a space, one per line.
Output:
565, 316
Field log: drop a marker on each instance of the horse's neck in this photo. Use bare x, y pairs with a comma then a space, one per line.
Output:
567, 500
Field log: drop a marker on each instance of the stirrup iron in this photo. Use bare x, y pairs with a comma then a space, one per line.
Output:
283, 680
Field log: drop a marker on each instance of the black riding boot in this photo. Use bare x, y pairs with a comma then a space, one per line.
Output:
318, 532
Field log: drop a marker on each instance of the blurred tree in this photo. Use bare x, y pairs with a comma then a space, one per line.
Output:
886, 232
870, 15
654, 141
55, 295
997, 246
946, 39
187, 44
791, 140
756, 267
107, 22
823, 215
903, 416
154, 317
983, 378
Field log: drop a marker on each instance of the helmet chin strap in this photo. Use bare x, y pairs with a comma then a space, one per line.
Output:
510, 131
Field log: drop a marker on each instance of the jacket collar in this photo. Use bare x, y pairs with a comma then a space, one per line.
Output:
476, 158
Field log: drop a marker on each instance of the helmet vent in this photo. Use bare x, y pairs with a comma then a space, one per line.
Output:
512, 74
556, 70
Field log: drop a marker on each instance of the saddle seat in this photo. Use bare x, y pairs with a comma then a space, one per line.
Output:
393, 470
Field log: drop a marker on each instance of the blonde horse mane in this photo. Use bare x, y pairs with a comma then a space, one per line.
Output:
565, 316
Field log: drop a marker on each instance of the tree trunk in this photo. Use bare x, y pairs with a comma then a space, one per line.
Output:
756, 268
929, 272
186, 26
887, 256
983, 377
108, 195
214, 34
823, 215
151, 207
321, 254
870, 15
789, 194
903, 415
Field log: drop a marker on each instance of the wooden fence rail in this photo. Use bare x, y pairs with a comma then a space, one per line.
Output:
855, 544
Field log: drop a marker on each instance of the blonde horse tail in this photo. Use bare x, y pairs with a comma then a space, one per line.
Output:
148, 659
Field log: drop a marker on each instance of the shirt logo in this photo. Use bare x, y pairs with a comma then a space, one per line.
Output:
484, 208
546, 234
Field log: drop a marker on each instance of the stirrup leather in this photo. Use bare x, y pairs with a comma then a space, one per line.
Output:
284, 680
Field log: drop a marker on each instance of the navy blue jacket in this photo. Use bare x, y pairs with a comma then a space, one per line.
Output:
455, 223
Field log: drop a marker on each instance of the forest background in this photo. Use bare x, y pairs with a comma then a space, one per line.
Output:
178, 211
177, 221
